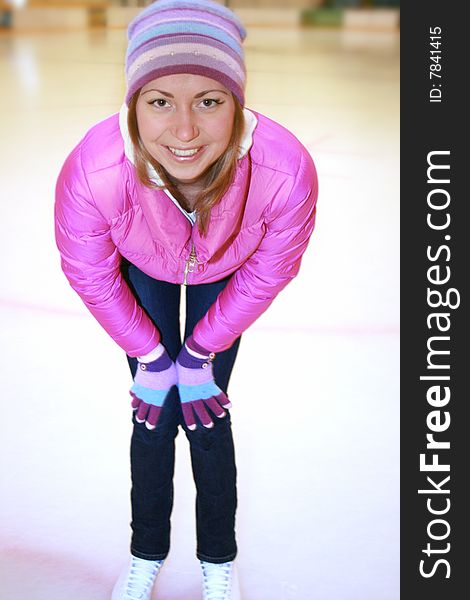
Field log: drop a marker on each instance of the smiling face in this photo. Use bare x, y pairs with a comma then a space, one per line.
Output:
185, 123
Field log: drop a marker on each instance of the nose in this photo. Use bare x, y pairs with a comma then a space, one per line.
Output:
185, 128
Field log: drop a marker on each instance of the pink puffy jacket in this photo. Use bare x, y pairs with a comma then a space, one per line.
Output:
258, 232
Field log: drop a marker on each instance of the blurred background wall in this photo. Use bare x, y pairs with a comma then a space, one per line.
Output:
50, 14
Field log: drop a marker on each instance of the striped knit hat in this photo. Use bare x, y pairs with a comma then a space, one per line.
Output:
199, 37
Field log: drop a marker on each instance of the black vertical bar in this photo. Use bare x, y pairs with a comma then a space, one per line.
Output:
433, 119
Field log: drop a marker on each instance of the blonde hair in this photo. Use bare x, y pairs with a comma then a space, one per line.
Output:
216, 180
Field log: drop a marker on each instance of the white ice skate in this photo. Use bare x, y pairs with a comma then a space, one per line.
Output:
220, 582
137, 579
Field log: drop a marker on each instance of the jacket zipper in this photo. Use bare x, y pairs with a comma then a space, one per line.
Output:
191, 263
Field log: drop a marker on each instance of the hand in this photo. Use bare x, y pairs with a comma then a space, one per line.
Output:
152, 382
197, 387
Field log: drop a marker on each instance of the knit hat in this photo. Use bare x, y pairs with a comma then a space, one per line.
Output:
199, 37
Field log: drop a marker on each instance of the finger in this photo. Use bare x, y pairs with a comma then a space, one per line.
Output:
215, 407
222, 399
135, 403
202, 413
188, 415
142, 412
152, 417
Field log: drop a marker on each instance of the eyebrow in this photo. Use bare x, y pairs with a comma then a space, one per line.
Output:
168, 95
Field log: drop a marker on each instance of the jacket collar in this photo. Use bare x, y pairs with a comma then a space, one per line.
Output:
169, 228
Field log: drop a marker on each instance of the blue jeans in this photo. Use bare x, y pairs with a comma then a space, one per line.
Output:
153, 452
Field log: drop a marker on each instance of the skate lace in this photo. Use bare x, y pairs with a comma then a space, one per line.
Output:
141, 578
217, 580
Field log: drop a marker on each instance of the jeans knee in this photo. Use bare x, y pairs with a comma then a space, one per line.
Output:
209, 437
161, 435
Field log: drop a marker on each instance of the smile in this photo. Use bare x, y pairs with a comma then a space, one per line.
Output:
185, 155
189, 152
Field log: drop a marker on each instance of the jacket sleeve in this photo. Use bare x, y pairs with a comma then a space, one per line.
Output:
270, 268
91, 262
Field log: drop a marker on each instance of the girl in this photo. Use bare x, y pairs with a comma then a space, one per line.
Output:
184, 186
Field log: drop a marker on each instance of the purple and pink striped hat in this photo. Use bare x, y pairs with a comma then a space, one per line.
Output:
199, 37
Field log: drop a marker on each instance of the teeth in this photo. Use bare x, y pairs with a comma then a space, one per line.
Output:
183, 152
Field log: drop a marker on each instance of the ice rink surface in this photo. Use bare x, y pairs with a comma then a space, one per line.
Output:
317, 453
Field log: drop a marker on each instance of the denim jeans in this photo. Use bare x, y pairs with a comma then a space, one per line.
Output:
153, 452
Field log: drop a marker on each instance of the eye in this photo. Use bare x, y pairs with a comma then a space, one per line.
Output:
211, 102
159, 103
